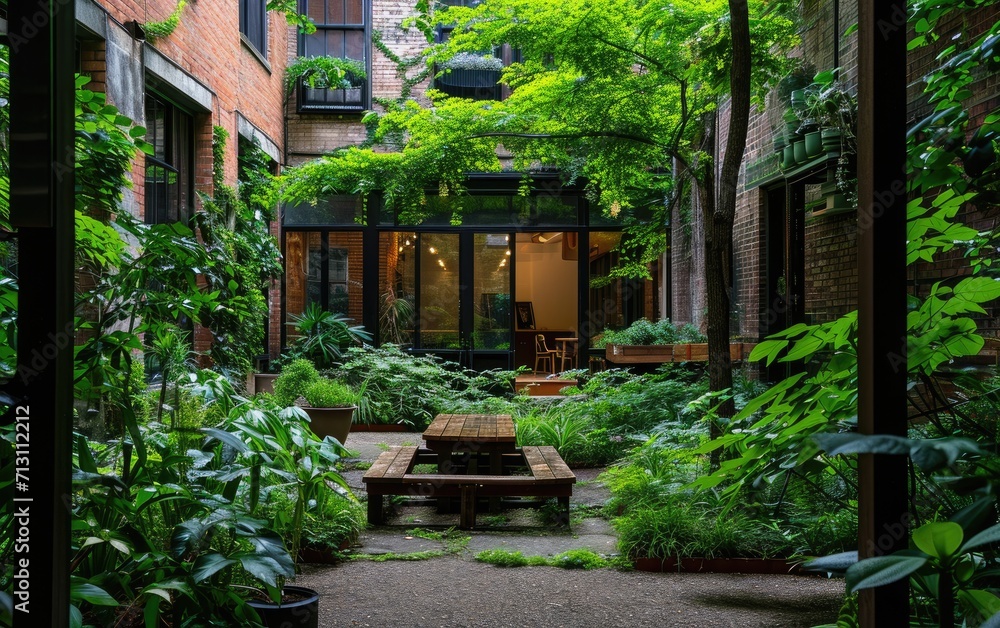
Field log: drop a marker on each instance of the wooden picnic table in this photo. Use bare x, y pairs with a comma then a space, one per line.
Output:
452, 435
458, 436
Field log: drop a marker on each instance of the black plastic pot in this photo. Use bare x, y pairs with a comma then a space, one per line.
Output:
301, 614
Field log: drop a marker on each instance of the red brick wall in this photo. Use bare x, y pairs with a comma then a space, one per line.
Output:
314, 134
207, 45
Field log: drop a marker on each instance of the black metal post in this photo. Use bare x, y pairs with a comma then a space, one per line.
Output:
41, 38
883, 515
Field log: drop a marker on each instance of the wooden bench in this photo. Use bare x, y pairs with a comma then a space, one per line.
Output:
392, 475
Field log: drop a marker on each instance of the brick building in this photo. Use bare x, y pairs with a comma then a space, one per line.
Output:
222, 65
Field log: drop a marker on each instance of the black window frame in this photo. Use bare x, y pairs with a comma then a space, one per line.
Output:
253, 25
305, 104
177, 158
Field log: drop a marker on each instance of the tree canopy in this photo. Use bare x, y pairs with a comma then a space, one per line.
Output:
609, 93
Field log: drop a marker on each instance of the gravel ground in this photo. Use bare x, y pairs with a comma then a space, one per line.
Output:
450, 591
455, 590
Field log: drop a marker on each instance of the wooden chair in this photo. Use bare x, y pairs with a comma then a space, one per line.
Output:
543, 354
567, 353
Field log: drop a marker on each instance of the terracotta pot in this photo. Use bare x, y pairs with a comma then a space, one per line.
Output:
264, 382
335, 422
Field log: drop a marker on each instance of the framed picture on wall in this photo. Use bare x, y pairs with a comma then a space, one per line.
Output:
525, 315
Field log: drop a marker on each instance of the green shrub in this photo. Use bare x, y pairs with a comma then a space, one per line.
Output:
502, 558
329, 393
657, 532
412, 390
295, 377
644, 332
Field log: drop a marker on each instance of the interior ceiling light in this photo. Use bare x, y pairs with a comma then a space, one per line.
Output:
507, 252
546, 236
407, 242
432, 250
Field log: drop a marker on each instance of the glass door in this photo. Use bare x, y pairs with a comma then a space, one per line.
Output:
447, 294
492, 266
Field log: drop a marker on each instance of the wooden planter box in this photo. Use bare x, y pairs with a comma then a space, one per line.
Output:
690, 352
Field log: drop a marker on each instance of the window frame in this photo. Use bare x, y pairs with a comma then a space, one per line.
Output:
257, 6
175, 150
365, 28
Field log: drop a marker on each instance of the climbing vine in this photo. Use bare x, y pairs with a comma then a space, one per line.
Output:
161, 29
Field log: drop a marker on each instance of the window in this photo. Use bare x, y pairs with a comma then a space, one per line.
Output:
253, 24
341, 32
169, 190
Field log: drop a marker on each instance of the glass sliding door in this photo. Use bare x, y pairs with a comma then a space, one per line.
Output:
447, 294
491, 292
325, 268
438, 291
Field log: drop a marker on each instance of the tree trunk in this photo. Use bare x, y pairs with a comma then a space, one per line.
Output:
720, 213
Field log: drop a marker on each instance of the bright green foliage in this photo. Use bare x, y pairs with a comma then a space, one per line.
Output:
161, 29
295, 378
244, 256
329, 393
771, 437
323, 336
607, 91
331, 72
644, 332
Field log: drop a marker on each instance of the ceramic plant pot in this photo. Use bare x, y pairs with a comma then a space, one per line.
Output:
814, 144
303, 610
799, 149
335, 422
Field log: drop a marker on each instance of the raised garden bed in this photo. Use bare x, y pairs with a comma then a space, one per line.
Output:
689, 352
718, 565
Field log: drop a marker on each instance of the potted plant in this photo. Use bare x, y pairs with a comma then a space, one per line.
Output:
295, 377
284, 455
327, 80
331, 406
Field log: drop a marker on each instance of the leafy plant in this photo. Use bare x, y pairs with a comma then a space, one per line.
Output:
293, 381
323, 336
279, 446
644, 332
328, 393
325, 72
163, 28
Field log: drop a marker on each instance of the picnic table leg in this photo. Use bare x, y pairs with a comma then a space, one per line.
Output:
375, 514
496, 468
446, 466
563, 511
467, 520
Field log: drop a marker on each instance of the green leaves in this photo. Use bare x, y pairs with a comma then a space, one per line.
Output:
882, 570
